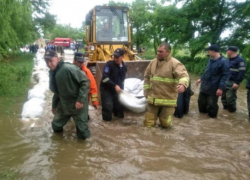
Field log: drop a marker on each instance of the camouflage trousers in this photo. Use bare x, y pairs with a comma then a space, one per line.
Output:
229, 97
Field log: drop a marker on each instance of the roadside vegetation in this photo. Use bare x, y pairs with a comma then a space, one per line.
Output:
15, 73
21, 23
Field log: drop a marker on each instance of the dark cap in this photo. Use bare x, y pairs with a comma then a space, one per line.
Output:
80, 57
50, 54
119, 52
233, 48
213, 47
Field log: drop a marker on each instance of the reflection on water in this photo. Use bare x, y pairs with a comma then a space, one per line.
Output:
198, 147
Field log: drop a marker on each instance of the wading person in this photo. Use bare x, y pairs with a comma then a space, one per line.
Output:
237, 69
105, 33
70, 87
164, 78
112, 83
79, 60
213, 81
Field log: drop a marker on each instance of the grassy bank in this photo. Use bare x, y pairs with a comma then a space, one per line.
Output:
15, 73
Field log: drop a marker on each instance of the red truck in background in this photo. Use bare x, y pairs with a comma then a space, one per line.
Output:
65, 42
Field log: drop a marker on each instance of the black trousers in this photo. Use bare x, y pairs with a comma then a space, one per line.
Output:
110, 105
208, 104
182, 104
183, 101
248, 102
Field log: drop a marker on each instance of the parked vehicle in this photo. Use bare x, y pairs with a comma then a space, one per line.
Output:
64, 42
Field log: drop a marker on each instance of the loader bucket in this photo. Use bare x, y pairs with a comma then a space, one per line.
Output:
136, 69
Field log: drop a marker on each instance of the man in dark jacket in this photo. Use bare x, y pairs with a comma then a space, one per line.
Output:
112, 83
70, 87
237, 67
212, 81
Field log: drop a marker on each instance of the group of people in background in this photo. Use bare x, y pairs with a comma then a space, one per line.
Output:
167, 87
222, 77
33, 47
59, 49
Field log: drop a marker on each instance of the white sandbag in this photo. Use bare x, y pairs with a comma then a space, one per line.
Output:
68, 51
132, 103
140, 85
32, 109
40, 76
37, 92
41, 50
134, 92
140, 94
131, 84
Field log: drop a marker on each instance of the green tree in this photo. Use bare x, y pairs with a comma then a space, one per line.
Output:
47, 23
140, 15
17, 27
240, 34
39, 7
200, 22
66, 31
18, 23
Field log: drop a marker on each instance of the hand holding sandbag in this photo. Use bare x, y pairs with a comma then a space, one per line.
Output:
132, 103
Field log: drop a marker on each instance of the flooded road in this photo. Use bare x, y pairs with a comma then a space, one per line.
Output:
197, 147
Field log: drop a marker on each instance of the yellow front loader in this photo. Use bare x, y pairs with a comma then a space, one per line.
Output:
108, 28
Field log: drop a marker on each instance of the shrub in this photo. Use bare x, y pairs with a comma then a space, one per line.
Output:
15, 73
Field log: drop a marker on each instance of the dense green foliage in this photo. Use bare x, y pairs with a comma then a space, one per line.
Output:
21, 22
194, 24
66, 31
196, 65
15, 73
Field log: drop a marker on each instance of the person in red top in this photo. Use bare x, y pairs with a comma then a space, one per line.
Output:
79, 60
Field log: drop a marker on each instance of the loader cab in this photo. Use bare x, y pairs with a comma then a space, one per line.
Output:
108, 28
108, 24
111, 25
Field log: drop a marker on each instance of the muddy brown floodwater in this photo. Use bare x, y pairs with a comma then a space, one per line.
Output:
197, 147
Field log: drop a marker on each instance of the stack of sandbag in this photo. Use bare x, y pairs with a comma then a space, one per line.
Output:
33, 108
41, 50
69, 51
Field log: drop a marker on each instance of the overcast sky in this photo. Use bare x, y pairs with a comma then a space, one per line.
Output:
73, 12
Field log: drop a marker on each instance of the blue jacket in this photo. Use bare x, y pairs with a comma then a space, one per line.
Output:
113, 75
215, 76
237, 69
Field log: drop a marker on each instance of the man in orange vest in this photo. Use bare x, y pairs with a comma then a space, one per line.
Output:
79, 60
